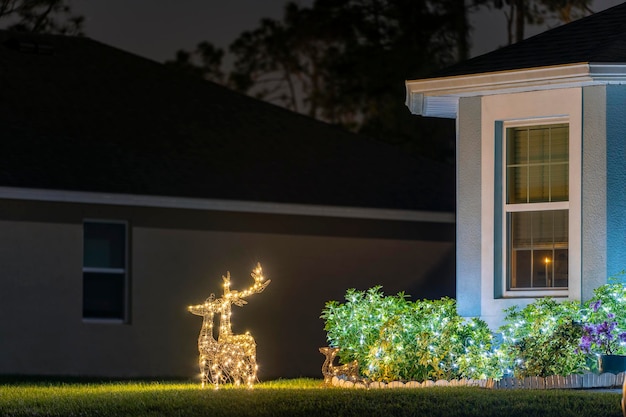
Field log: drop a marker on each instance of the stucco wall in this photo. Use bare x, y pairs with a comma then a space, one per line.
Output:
468, 218
177, 258
479, 223
594, 191
616, 178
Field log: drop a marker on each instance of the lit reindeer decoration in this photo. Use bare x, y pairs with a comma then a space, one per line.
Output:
219, 362
230, 358
329, 369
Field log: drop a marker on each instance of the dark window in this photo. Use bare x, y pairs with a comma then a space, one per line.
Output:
104, 270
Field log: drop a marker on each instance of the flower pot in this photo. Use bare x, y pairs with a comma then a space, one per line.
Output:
612, 363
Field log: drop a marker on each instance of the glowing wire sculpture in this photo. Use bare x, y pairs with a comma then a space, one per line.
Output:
232, 357
329, 369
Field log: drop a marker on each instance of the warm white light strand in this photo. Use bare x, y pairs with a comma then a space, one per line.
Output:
230, 358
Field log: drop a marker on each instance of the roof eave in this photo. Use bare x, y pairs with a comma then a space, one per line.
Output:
239, 206
438, 97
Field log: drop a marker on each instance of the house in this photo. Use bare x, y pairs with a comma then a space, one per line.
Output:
541, 152
127, 190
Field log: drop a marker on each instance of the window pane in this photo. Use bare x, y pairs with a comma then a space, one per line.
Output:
521, 231
104, 245
103, 295
542, 268
537, 164
521, 270
538, 183
517, 184
538, 144
559, 149
538, 255
560, 267
517, 146
543, 228
559, 178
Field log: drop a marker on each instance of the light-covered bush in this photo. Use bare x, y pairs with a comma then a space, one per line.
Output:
393, 338
542, 339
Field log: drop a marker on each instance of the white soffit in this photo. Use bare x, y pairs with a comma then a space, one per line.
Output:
63, 196
438, 97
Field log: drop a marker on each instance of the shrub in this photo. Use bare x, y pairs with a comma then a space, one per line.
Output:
542, 339
604, 318
356, 325
395, 339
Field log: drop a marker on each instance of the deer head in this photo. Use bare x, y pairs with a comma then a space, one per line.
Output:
209, 306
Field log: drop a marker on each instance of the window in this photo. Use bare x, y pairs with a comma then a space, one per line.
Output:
536, 207
104, 270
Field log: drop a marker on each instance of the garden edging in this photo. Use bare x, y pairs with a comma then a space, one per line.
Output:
585, 381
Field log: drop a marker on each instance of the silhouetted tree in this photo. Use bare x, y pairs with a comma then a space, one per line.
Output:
204, 62
40, 16
520, 13
345, 62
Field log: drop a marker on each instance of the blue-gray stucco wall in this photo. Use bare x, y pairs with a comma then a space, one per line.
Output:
616, 178
593, 205
468, 215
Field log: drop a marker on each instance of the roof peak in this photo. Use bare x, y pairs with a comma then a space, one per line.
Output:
600, 37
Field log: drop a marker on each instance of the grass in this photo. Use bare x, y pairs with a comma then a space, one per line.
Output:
301, 397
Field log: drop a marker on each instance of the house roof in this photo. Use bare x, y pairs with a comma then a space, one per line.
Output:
81, 116
599, 38
589, 51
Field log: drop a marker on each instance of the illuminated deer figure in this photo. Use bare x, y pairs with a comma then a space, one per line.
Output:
218, 362
230, 358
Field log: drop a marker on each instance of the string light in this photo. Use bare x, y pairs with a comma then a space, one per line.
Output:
232, 357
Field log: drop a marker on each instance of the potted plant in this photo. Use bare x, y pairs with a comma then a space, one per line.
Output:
604, 327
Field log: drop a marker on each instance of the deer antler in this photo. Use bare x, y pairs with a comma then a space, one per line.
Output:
237, 297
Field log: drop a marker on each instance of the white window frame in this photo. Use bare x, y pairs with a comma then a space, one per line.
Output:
526, 207
126, 302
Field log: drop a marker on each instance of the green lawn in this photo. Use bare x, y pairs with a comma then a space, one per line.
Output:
302, 397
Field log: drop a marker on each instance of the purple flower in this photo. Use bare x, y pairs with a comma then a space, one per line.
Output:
601, 336
585, 344
589, 329
596, 306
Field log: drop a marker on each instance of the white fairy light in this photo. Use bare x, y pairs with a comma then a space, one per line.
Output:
230, 358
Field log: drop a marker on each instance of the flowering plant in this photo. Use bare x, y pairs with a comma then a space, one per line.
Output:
604, 336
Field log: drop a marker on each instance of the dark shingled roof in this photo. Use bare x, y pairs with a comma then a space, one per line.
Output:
76, 114
599, 38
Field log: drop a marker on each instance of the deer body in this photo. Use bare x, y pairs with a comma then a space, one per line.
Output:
230, 358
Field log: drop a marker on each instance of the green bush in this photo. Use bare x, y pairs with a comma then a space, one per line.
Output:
542, 339
612, 295
396, 339
393, 338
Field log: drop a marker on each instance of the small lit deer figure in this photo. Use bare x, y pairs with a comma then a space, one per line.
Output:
230, 358
329, 369
217, 361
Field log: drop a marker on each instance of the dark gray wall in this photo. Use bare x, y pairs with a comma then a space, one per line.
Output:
177, 258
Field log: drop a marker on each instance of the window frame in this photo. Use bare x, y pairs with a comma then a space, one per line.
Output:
124, 271
506, 208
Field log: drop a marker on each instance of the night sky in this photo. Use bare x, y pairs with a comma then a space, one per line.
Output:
156, 29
